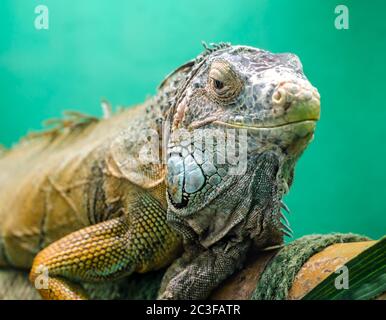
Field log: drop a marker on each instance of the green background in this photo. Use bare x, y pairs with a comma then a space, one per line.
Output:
121, 50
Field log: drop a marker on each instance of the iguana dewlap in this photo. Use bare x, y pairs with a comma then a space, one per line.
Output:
205, 162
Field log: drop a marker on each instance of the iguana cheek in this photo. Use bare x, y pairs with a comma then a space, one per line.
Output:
184, 177
194, 178
175, 178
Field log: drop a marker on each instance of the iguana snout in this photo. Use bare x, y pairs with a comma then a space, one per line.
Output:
298, 98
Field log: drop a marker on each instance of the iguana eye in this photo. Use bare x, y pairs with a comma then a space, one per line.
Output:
223, 84
218, 84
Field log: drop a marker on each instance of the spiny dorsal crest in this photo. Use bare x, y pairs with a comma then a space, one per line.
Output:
212, 47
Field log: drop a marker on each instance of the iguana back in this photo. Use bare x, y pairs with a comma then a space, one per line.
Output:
59, 182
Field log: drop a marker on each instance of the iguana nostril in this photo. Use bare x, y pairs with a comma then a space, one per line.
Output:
279, 97
289, 93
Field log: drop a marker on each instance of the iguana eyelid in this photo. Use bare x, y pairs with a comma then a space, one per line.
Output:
222, 71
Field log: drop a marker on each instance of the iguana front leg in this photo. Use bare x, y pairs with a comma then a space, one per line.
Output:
194, 276
94, 253
139, 241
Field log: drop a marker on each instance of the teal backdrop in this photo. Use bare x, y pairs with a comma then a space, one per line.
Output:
120, 50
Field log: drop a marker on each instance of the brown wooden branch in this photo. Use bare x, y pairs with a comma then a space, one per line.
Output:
15, 285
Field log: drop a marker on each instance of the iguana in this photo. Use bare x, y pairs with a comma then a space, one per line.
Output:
193, 178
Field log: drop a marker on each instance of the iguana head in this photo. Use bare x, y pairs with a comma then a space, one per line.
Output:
261, 111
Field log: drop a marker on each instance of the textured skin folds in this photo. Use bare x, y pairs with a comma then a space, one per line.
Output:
202, 165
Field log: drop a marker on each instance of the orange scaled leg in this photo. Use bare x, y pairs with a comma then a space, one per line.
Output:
93, 253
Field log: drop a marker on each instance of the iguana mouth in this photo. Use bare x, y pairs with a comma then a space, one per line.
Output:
262, 127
